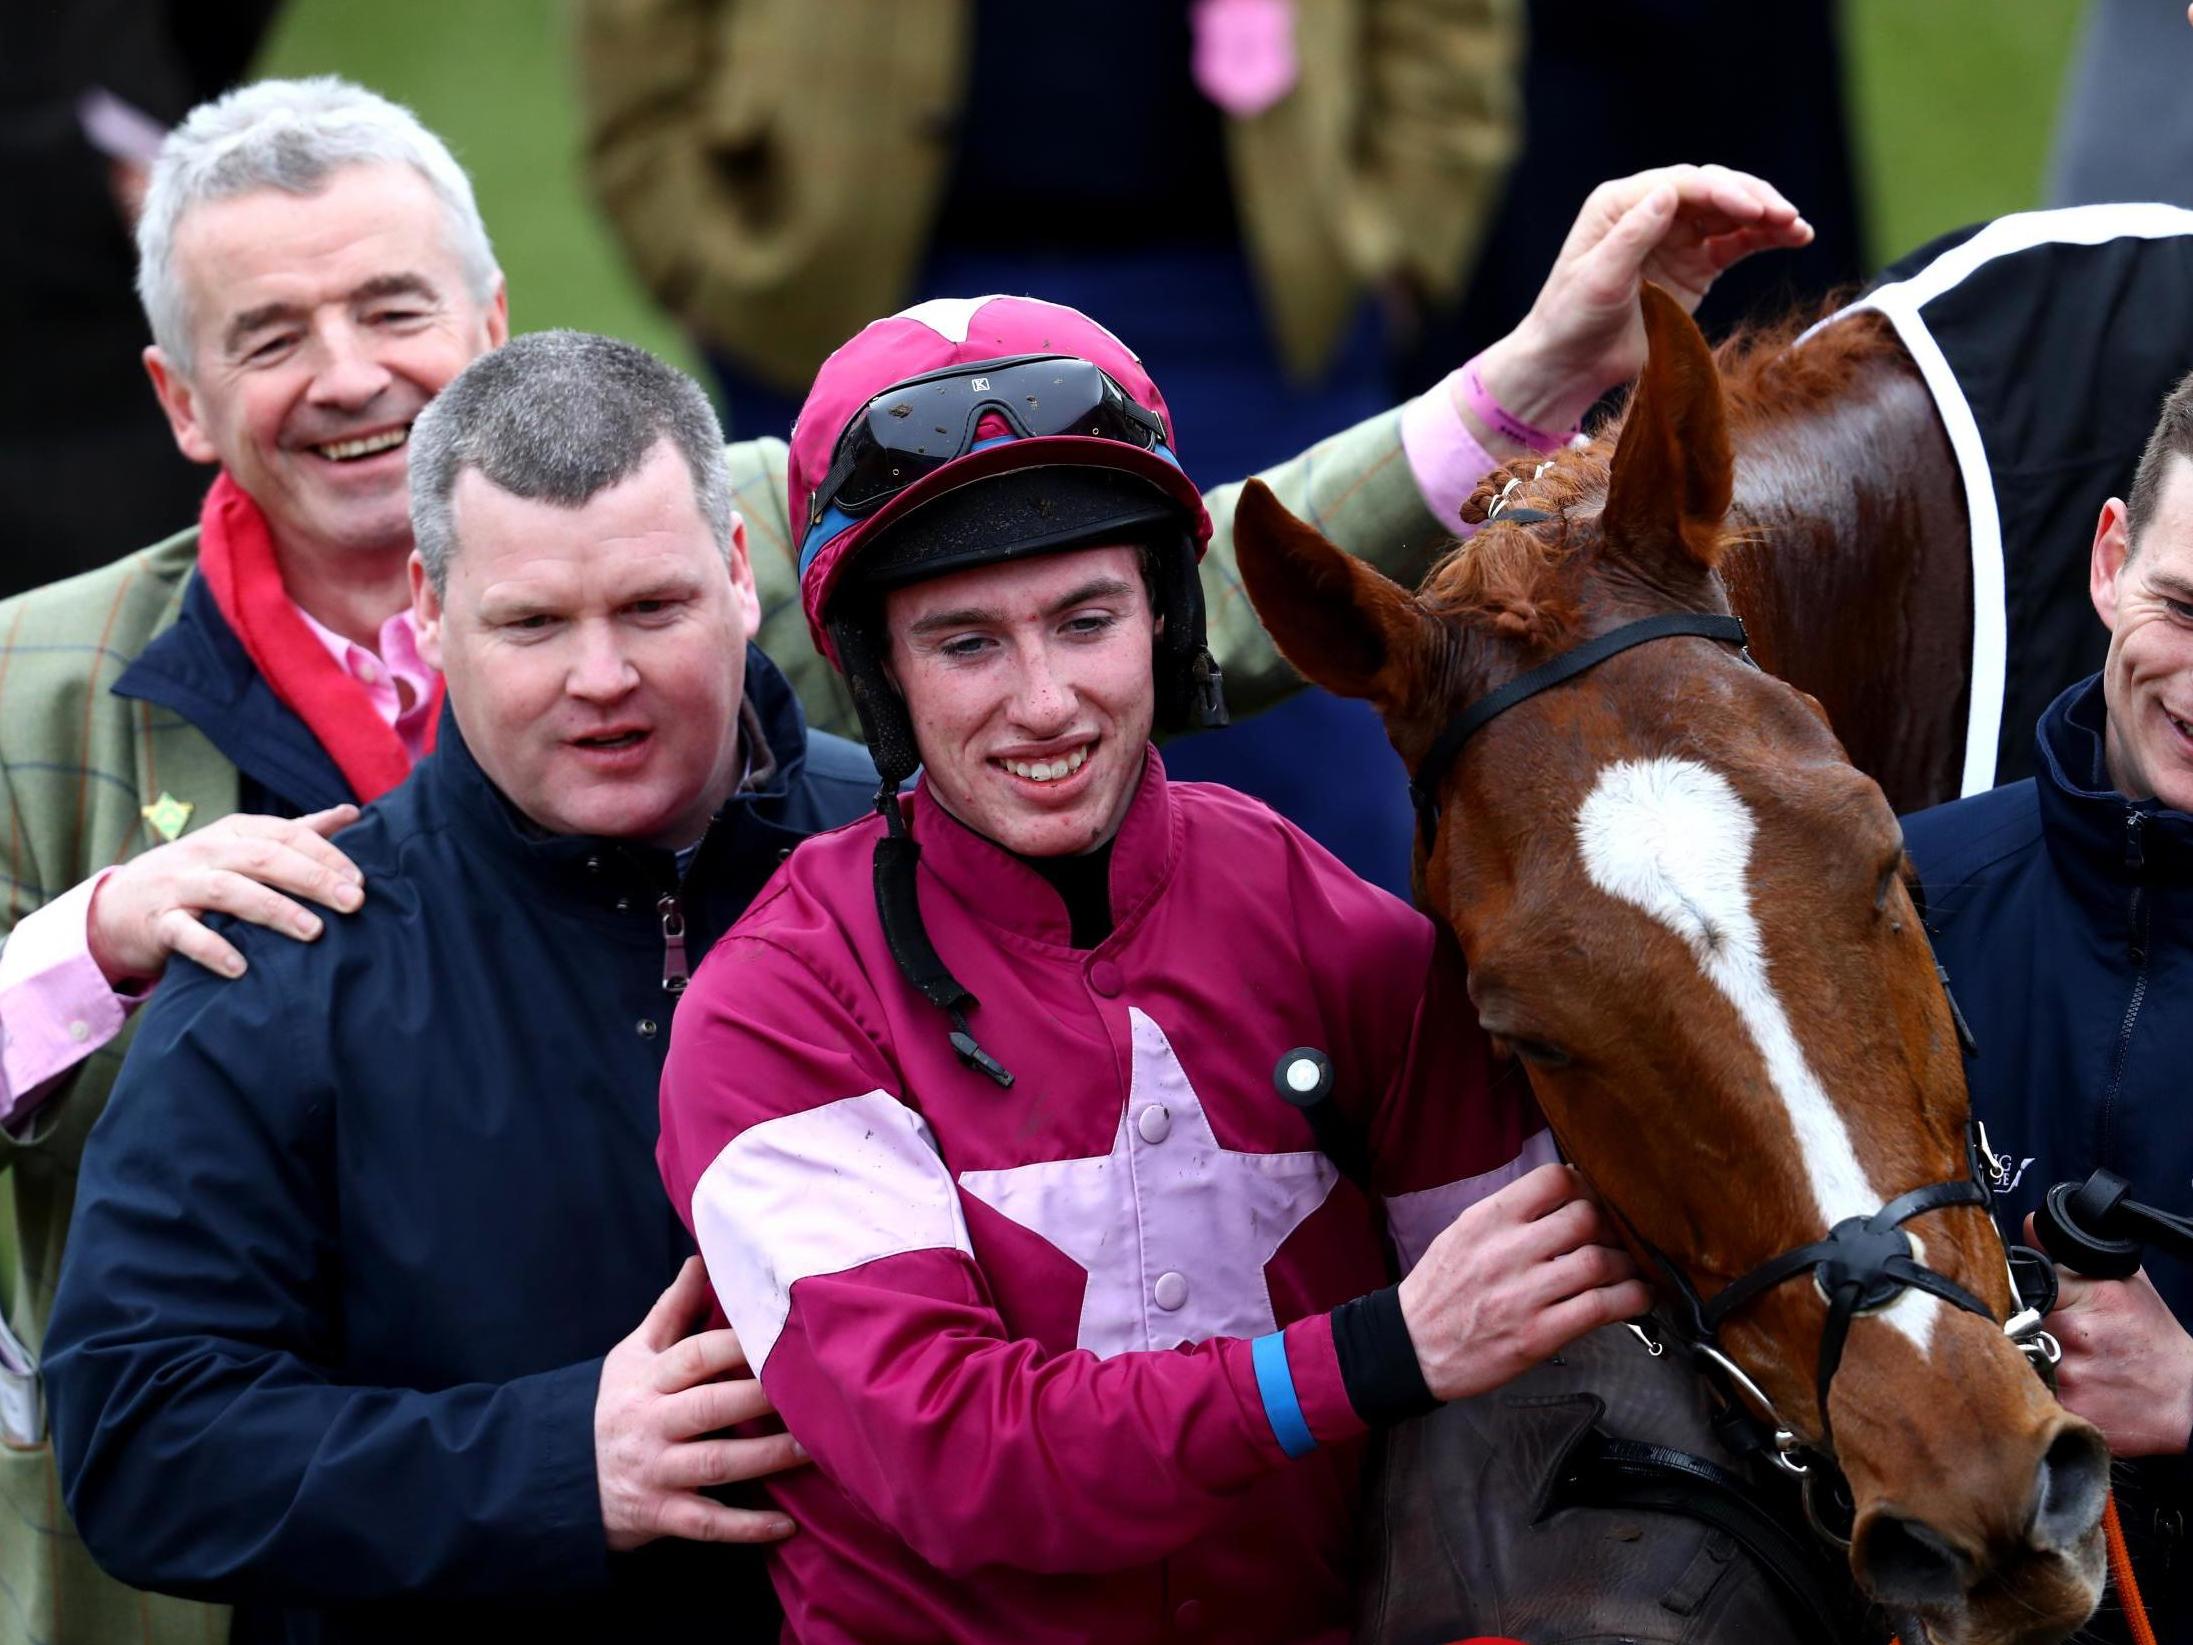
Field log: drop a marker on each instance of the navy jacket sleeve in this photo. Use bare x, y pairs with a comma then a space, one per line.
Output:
205, 1448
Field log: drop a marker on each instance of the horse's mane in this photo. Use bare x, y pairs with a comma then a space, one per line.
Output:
1763, 377
1524, 579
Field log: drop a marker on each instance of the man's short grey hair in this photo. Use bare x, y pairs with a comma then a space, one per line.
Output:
291, 135
558, 417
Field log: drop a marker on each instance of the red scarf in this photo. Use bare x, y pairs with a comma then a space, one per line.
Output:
236, 558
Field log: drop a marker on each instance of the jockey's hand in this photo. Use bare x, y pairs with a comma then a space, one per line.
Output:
149, 908
2128, 1363
664, 1399
1677, 226
1514, 1279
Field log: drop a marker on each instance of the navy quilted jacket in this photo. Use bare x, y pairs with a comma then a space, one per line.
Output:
2063, 913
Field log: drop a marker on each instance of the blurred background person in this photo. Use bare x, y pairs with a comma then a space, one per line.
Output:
1620, 86
1261, 193
2125, 130
87, 90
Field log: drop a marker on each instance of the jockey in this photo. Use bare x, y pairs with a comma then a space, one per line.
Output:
1082, 1310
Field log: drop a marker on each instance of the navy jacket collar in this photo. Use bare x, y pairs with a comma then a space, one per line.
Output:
199, 669
2101, 842
614, 878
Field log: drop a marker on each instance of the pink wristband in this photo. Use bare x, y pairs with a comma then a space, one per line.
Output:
1497, 416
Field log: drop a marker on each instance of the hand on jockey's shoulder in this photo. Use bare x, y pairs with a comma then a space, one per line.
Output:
665, 1398
2127, 1364
152, 905
1513, 1279
1677, 226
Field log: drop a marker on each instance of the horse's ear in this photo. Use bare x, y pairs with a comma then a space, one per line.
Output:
1343, 625
1672, 473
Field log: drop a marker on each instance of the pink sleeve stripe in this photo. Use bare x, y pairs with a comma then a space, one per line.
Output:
55, 1005
1443, 454
822, 1191
1417, 1219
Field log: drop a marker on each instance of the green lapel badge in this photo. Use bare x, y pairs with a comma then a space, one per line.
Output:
168, 815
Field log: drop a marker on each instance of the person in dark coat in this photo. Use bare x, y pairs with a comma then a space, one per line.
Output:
2062, 908
364, 1323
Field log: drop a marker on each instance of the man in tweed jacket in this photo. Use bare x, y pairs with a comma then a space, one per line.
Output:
132, 714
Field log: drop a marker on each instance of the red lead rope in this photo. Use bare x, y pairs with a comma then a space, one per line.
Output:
2120, 1572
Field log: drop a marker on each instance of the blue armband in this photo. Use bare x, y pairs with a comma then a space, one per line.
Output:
1275, 1383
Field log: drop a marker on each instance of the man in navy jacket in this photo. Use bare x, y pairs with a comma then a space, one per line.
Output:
349, 1248
2062, 907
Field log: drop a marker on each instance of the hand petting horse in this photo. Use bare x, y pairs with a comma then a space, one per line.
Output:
1683, 909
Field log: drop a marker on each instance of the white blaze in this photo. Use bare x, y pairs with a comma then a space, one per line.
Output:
1673, 839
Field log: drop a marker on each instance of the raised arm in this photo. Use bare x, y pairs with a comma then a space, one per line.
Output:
1389, 490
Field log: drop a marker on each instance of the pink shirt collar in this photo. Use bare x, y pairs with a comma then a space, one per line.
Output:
405, 711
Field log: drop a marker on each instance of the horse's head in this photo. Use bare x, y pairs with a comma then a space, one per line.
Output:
1685, 911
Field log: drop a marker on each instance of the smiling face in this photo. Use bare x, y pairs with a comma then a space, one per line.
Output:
1030, 689
320, 326
2144, 592
596, 655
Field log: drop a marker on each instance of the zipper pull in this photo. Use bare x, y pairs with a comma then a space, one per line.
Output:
2135, 854
674, 973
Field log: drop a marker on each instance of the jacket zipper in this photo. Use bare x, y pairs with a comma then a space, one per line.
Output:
2135, 860
674, 973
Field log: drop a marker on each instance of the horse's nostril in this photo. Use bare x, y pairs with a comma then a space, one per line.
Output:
1904, 1562
2069, 1488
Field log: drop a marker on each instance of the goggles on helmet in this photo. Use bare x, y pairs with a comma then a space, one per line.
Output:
914, 428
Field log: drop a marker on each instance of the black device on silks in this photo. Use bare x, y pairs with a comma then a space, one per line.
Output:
1304, 1078
2095, 1227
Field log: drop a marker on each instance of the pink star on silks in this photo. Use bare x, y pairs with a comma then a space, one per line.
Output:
1173, 1229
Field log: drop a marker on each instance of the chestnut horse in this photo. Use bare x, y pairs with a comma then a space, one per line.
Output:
1683, 910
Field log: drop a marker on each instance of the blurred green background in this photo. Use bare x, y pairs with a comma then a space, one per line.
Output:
1953, 102
494, 79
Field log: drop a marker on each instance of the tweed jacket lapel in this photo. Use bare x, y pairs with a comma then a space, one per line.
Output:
183, 782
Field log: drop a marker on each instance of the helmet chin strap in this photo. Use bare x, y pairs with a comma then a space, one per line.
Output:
898, 853
891, 743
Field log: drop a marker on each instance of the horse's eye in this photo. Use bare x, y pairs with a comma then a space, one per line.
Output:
1538, 1052
1885, 887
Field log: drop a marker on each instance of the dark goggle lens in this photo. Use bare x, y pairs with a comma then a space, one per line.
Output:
916, 427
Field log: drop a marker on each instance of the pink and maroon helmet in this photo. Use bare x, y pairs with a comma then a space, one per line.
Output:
967, 431
957, 390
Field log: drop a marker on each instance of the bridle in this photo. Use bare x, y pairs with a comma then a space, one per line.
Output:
1865, 1263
